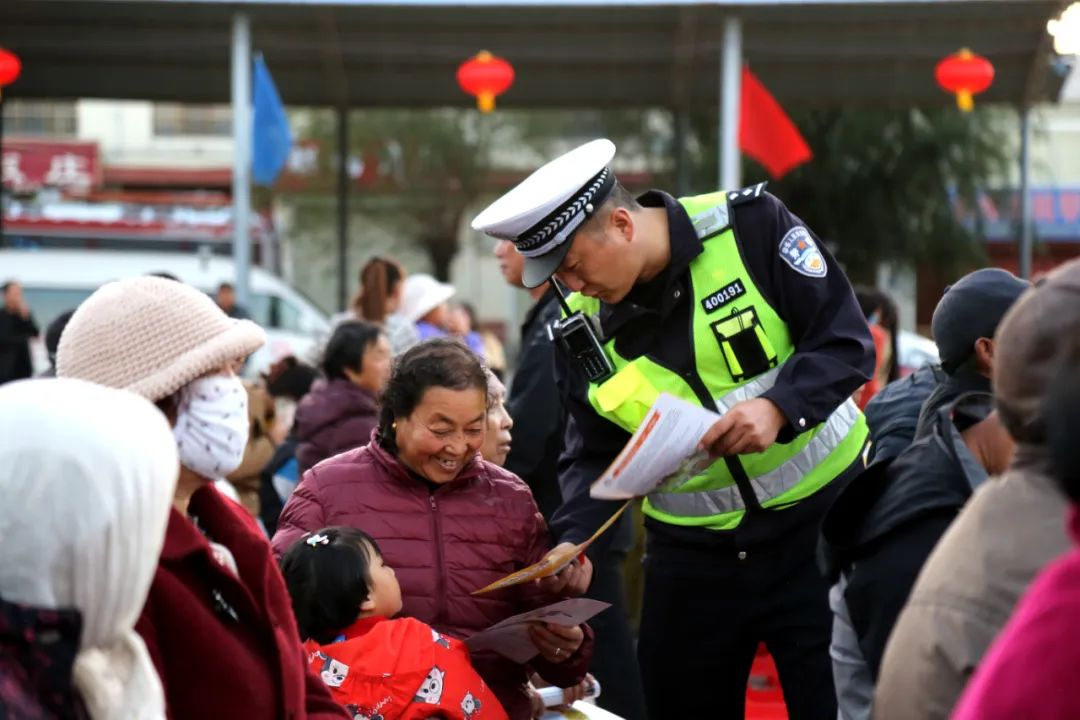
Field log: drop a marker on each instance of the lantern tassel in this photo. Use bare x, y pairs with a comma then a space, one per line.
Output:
965, 101
485, 101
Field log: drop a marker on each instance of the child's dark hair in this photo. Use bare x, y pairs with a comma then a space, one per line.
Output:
379, 279
440, 362
328, 574
347, 347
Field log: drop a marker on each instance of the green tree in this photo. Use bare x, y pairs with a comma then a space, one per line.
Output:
432, 165
882, 182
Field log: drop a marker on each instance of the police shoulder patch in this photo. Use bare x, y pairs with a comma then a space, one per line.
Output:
800, 251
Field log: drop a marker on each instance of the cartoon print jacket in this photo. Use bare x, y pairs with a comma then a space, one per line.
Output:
403, 669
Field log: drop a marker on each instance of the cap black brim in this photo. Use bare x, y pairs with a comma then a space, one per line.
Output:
538, 271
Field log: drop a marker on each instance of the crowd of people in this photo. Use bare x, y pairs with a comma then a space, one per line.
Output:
185, 544
150, 358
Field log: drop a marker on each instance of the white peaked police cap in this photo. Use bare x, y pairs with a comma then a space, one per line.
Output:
541, 214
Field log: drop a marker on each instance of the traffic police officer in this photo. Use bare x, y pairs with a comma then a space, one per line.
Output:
729, 301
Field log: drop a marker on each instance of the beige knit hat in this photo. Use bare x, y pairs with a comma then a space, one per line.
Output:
151, 336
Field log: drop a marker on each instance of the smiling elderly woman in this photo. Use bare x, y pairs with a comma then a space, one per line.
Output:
447, 520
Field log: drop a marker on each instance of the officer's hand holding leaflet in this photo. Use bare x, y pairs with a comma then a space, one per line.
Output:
750, 426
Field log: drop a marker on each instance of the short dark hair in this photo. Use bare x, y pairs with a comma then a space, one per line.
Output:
289, 377
621, 197
7, 285
440, 362
226, 286
329, 580
869, 299
347, 347
53, 333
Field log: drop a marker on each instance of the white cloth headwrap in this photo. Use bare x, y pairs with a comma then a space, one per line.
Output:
88, 479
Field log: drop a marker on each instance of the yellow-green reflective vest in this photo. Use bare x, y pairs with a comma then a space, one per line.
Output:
739, 344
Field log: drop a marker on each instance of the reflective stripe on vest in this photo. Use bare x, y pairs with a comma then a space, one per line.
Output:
771, 484
740, 345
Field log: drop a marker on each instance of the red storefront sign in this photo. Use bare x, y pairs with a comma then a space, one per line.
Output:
33, 164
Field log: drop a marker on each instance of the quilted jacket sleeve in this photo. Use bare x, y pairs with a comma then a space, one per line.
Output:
304, 512
572, 670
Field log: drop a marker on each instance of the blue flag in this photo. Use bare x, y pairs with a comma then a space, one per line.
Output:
271, 138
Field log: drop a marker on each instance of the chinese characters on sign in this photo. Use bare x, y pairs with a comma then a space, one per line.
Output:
72, 166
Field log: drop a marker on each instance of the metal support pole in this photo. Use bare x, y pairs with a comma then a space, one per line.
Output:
731, 61
682, 175
343, 205
1026, 229
241, 176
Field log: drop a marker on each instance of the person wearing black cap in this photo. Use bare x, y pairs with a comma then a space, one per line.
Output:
728, 301
929, 434
963, 326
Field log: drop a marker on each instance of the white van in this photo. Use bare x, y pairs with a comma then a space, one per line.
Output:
57, 280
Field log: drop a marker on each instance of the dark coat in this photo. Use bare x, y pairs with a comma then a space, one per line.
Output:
886, 524
225, 646
335, 416
535, 404
15, 335
37, 655
893, 414
443, 542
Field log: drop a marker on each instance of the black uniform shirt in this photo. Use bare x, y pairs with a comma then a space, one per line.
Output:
533, 403
834, 356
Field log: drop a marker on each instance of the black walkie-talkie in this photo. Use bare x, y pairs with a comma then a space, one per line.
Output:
576, 334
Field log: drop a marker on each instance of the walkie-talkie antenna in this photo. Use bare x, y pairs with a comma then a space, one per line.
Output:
562, 298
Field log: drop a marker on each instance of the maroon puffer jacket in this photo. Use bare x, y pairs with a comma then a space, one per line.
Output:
335, 416
443, 544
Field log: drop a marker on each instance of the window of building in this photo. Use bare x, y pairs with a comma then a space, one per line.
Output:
173, 119
39, 117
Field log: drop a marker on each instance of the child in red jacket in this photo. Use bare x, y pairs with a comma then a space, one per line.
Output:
344, 597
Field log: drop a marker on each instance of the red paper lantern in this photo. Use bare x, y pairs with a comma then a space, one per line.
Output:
965, 74
486, 77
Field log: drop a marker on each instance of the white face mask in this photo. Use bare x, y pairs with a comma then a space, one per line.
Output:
212, 426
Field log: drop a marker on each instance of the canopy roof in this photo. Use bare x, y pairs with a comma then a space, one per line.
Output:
592, 54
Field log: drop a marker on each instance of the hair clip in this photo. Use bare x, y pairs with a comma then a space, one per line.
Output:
315, 540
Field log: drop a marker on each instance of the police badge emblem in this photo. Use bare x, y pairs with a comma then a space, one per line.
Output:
800, 251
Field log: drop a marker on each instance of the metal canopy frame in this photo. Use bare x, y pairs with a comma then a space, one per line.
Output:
593, 53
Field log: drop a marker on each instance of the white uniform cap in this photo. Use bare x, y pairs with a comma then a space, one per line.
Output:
541, 214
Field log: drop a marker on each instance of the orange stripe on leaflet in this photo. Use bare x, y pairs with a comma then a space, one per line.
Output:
649, 425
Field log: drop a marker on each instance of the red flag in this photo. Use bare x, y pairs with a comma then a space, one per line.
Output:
766, 133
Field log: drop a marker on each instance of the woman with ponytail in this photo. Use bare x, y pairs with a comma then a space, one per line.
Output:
382, 281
